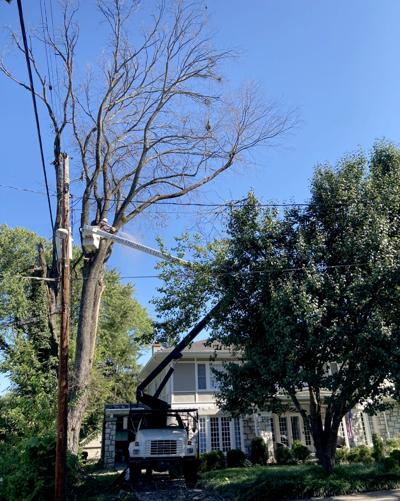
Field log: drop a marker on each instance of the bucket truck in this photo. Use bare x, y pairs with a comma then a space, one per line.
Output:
160, 438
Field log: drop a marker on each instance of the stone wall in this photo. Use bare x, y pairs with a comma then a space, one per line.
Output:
387, 424
109, 442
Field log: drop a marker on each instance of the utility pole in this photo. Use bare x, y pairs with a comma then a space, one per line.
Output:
63, 238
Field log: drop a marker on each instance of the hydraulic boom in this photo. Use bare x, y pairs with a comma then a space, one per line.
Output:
91, 240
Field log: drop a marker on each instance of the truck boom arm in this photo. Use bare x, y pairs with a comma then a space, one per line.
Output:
90, 233
91, 240
175, 354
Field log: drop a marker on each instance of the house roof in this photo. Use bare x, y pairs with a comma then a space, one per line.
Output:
196, 349
202, 347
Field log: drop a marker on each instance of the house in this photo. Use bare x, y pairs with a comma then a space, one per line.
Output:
193, 384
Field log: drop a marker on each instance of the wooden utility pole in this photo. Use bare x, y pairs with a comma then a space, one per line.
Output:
64, 238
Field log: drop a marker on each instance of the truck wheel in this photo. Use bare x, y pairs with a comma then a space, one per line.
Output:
190, 474
175, 472
134, 473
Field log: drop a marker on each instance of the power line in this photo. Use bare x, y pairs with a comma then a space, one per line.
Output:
216, 205
166, 202
48, 67
32, 89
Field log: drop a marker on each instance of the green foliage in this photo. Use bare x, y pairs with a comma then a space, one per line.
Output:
391, 444
123, 323
27, 470
303, 290
360, 454
283, 455
258, 451
29, 352
390, 464
213, 460
378, 452
235, 458
294, 482
341, 455
300, 452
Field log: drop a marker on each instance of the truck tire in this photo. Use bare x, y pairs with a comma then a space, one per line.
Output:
175, 471
190, 474
134, 473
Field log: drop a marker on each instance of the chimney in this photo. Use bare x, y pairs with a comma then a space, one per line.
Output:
155, 347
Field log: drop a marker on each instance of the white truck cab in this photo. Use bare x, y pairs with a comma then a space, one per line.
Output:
163, 441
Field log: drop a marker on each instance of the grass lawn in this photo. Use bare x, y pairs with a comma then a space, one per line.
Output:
273, 483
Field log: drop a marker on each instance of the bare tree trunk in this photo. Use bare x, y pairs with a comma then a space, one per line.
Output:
92, 289
159, 129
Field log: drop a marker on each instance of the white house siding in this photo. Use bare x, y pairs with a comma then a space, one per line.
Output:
93, 448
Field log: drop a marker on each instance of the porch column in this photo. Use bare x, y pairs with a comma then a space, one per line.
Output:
109, 442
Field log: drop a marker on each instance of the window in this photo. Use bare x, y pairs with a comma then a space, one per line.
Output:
238, 434
283, 430
272, 426
294, 421
214, 383
226, 433
364, 428
334, 368
371, 423
307, 435
201, 377
219, 434
214, 429
202, 435
184, 377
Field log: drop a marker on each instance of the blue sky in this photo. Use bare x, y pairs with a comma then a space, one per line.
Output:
336, 61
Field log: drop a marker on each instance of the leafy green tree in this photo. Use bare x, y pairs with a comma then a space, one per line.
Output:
28, 351
311, 298
123, 324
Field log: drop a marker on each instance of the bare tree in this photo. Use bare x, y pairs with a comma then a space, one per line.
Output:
150, 125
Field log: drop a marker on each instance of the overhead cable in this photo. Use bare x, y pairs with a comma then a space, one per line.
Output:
32, 89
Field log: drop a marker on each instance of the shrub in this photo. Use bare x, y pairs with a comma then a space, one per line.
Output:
360, 454
378, 452
283, 455
391, 444
235, 458
396, 456
214, 460
341, 455
27, 470
390, 464
302, 481
259, 451
300, 452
